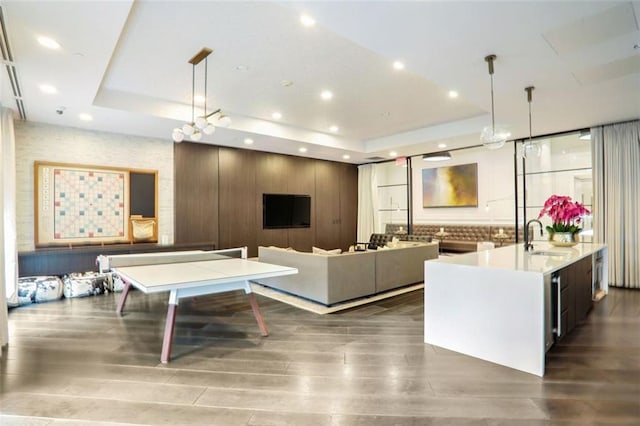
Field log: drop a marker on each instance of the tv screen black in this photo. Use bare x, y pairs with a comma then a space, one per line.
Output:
286, 211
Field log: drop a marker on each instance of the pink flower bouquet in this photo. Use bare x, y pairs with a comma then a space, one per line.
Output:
565, 214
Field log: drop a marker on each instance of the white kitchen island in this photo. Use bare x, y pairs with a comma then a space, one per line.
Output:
500, 305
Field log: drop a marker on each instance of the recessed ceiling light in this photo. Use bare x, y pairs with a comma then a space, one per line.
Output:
346, 156
49, 89
397, 65
307, 20
48, 42
393, 154
248, 141
453, 94
326, 95
442, 145
334, 129
85, 117
302, 149
276, 116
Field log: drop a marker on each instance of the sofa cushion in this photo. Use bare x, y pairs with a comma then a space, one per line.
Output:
317, 250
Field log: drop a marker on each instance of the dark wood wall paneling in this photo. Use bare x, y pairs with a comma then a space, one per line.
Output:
244, 175
218, 204
195, 193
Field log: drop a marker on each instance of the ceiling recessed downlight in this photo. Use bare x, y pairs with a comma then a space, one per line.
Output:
442, 145
48, 89
48, 42
393, 154
346, 156
85, 117
276, 115
248, 141
326, 95
302, 149
453, 94
307, 20
334, 129
397, 65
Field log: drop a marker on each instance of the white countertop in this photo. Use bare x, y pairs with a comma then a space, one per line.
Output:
513, 257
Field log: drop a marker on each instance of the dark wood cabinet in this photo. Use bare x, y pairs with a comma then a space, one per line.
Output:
336, 205
583, 288
575, 294
348, 205
195, 193
237, 195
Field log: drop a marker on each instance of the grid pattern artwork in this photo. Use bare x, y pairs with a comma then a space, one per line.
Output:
88, 204
77, 204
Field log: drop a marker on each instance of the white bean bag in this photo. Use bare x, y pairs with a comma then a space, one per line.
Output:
82, 284
38, 289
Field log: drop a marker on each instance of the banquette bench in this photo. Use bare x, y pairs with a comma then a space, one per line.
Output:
459, 238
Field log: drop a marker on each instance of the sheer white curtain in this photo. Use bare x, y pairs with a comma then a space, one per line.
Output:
367, 202
8, 248
616, 171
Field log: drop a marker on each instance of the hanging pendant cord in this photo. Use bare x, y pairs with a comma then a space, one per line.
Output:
490, 59
529, 98
493, 119
193, 92
206, 61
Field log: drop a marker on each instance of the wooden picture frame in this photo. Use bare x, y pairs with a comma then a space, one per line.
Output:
77, 204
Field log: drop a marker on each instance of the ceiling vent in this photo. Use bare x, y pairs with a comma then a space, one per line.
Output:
11, 69
375, 158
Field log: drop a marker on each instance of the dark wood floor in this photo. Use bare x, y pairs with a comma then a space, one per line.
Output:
76, 362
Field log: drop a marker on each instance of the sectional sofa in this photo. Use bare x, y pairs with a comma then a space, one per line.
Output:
460, 238
336, 278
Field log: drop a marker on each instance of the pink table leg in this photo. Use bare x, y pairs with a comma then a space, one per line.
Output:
258, 314
123, 297
168, 333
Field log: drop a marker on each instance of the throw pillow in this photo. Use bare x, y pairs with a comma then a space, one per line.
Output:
316, 250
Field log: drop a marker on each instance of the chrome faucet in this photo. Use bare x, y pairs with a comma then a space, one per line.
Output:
527, 244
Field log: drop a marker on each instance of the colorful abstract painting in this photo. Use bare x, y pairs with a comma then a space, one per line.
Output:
451, 186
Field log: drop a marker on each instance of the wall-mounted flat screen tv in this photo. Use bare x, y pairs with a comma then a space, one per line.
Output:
286, 211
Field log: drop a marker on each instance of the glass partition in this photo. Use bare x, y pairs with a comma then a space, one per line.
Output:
561, 166
393, 207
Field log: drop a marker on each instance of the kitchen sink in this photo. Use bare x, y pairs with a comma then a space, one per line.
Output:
549, 253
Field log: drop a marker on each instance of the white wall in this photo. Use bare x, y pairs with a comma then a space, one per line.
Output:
495, 187
392, 194
44, 142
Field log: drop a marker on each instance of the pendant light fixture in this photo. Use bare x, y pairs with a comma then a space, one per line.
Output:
493, 137
529, 147
200, 124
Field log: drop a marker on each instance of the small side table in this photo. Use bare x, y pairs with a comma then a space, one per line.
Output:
441, 235
501, 238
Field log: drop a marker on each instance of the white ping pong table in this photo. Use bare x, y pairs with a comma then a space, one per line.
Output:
189, 275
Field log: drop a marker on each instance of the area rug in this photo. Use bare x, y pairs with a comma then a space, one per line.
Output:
321, 309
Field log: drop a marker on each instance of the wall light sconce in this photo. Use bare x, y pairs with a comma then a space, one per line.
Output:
437, 156
200, 124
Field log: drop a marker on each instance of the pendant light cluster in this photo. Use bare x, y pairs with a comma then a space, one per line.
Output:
493, 137
200, 124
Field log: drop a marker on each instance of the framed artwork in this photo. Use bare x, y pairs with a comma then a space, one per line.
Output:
78, 204
450, 186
